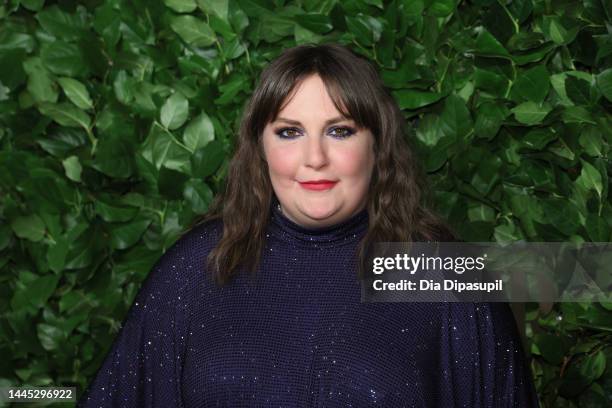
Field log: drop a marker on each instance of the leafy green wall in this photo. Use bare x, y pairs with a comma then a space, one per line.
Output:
117, 119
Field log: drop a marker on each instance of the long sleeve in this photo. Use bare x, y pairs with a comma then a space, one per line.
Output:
482, 363
143, 366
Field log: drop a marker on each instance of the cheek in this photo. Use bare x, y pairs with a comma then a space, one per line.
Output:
355, 162
282, 161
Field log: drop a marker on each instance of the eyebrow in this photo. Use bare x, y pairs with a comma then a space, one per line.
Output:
327, 122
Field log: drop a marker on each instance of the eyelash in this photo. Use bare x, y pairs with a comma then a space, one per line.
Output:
349, 131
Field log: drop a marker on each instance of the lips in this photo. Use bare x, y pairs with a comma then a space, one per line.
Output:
318, 184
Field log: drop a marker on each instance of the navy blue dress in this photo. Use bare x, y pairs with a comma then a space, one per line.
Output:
298, 335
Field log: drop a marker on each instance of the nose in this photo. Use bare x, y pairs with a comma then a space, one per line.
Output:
315, 155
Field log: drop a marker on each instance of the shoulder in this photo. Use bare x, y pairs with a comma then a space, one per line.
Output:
495, 319
182, 265
198, 238
194, 244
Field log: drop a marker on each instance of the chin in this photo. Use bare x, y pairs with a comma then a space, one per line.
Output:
320, 213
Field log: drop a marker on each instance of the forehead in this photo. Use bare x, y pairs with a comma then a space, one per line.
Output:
309, 98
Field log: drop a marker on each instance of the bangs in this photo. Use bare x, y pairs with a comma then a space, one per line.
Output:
350, 82
353, 106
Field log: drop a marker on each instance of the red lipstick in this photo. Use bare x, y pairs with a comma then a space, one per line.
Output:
318, 185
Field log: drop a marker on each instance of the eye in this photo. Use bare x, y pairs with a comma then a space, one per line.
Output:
291, 133
339, 132
342, 132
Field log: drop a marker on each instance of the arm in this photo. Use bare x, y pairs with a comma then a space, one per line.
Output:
143, 366
482, 360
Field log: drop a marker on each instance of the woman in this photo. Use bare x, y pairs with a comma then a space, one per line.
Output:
321, 170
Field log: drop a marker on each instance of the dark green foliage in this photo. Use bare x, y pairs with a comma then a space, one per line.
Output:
118, 118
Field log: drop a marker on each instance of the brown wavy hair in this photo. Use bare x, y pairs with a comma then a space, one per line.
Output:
396, 202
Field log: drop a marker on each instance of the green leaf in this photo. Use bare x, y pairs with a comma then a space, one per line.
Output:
107, 22
33, 5
538, 138
113, 213
198, 195
532, 84
238, 19
72, 168
439, 154
56, 254
604, 83
52, 191
476, 231
597, 228
114, 156
506, 233
14, 43
125, 235
413, 99
577, 114
199, 132
563, 215
491, 82
124, 88
551, 347
174, 112
50, 336
487, 45
555, 30
219, 8
429, 131
442, 8
533, 55
591, 140
303, 36
375, 3
500, 22
181, 6
60, 24
530, 113
590, 178
162, 149
577, 90
221, 26
366, 29
29, 227
206, 160
143, 98
487, 174
480, 212
236, 83
64, 58
581, 374
558, 82
489, 119
70, 300
65, 114
37, 290
76, 92
314, 22
455, 120
273, 27
193, 31
40, 84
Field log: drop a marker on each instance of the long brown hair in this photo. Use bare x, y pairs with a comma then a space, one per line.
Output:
396, 203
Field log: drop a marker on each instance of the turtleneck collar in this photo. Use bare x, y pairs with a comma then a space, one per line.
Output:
351, 229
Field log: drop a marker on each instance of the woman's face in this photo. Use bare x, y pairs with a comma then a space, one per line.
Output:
310, 141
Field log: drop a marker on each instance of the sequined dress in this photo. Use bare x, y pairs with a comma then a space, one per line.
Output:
298, 335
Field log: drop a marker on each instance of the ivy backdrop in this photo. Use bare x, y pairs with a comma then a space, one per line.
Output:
117, 119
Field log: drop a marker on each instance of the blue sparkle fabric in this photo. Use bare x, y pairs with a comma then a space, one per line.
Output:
298, 335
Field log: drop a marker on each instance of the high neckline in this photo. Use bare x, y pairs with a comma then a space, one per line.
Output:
348, 230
